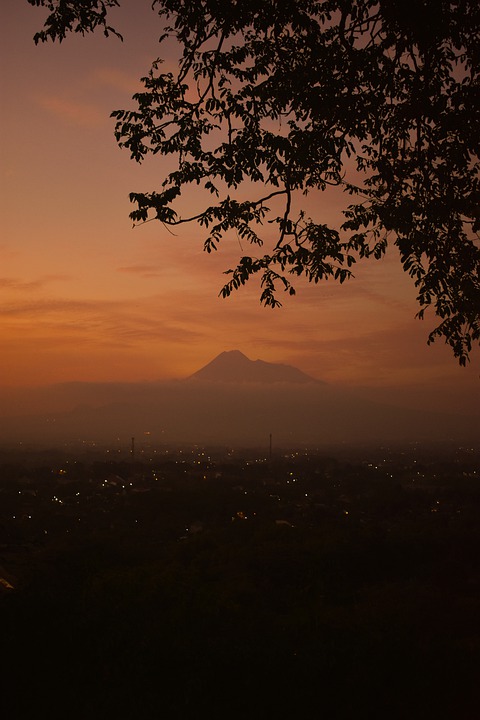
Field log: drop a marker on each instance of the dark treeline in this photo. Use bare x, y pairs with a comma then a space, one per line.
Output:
302, 586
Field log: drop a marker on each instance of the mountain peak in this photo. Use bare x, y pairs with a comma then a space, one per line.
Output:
232, 355
235, 367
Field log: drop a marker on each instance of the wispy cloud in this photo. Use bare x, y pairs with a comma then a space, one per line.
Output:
16, 284
116, 323
117, 79
73, 112
46, 308
144, 271
19, 285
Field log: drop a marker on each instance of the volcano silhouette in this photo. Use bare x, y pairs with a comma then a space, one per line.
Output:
234, 367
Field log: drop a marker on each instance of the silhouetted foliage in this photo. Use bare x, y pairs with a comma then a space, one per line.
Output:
291, 96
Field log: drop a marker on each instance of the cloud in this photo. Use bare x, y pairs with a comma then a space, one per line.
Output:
19, 285
144, 271
391, 356
13, 283
74, 112
122, 324
110, 77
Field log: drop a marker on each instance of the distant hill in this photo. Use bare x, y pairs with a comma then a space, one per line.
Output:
234, 367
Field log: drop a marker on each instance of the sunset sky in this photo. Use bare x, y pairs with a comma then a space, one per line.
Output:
84, 296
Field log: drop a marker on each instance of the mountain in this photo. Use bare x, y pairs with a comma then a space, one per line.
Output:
233, 401
234, 367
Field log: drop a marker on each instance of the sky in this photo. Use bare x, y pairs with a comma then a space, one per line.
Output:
84, 296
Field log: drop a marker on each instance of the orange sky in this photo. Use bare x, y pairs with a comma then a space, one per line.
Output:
86, 297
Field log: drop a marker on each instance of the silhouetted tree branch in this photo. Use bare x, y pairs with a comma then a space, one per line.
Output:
379, 97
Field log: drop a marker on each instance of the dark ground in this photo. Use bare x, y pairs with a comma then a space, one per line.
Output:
362, 602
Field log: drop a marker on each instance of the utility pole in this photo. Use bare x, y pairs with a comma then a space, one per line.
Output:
132, 449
